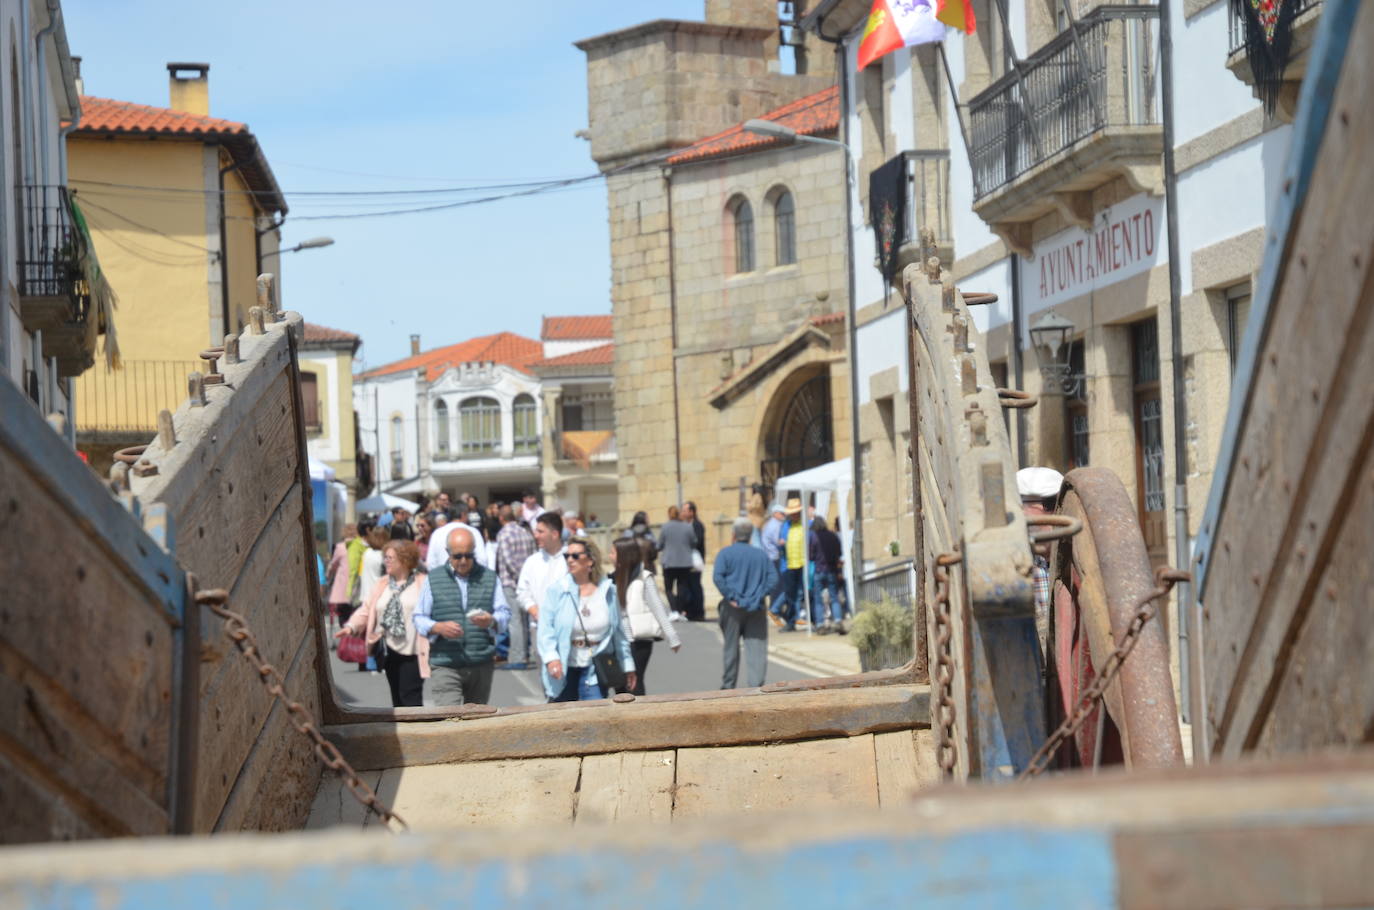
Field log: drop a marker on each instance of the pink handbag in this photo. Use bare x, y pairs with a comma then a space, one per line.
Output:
353, 649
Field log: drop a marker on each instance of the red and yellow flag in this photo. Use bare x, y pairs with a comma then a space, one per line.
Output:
894, 24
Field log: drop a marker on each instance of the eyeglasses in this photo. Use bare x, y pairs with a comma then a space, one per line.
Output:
466, 555
572, 556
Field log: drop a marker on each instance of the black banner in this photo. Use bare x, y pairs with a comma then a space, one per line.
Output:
887, 206
1268, 28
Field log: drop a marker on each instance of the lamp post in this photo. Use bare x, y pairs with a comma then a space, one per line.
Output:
314, 243
1051, 335
789, 136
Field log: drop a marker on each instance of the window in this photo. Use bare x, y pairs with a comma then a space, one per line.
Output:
743, 216
1149, 436
480, 426
1237, 316
441, 428
526, 425
1076, 403
310, 402
397, 455
785, 228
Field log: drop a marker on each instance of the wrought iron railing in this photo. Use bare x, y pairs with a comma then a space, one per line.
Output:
51, 248
1235, 26
1097, 74
127, 400
897, 581
927, 199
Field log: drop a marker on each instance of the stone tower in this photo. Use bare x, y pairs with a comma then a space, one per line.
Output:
653, 88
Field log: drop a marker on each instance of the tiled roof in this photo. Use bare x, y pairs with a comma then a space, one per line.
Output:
323, 335
575, 328
602, 355
504, 347
826, 318
106, 117
810, 116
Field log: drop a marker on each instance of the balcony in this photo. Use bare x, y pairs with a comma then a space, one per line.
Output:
585, 447
1307, 15
1076, 114
113, 405
927, 205
54, 295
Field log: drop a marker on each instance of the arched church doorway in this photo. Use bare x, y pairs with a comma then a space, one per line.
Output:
799, 433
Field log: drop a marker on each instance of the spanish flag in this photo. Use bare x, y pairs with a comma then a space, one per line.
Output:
894, 24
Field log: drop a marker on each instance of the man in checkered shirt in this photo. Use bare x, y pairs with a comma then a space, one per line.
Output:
1039, 491
514, 544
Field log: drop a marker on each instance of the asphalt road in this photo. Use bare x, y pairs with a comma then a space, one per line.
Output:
695, 668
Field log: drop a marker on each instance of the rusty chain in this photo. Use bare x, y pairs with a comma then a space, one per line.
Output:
236, 627
945, 714
1165, 579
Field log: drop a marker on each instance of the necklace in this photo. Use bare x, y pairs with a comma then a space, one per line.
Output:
586, 600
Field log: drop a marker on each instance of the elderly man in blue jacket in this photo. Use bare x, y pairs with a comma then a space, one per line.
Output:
744, 576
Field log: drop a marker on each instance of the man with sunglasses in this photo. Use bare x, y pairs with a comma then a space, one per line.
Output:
461, 610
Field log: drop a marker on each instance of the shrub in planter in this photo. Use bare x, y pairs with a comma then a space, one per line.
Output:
882, 631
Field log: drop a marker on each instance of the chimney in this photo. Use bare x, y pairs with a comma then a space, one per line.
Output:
80, 83
189, 87
414, 345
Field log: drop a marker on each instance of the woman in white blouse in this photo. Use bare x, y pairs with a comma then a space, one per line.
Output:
579, 619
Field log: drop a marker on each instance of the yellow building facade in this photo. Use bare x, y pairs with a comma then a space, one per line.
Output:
182, 207
326, 364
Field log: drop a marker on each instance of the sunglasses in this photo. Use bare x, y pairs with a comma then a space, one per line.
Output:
467, 555
571, 556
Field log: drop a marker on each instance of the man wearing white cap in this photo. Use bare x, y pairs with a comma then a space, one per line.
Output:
1039, 490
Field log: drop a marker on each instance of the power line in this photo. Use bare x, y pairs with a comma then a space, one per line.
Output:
432, 191
146, 227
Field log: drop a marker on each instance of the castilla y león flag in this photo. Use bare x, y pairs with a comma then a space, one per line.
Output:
904, 23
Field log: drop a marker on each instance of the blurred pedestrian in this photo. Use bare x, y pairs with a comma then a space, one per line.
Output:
826, 557
514, 545
645, 615
744, 576
387, 617
676, 544
337, 573
580, 619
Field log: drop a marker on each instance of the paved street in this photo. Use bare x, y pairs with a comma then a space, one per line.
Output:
693, 669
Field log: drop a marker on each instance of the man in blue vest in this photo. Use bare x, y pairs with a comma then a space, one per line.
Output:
461, 611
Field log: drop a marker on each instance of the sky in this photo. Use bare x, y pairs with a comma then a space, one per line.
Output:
363, 96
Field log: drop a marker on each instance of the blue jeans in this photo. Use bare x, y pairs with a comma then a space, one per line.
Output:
825, 580
580, 685
789, 605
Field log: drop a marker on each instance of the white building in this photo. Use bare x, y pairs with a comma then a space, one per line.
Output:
480, 417
48, 324
1043, 183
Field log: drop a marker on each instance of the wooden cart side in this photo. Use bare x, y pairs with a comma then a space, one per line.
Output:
1283, 633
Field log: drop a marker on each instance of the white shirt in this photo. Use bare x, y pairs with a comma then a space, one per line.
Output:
438, 547
593, 616
540, 570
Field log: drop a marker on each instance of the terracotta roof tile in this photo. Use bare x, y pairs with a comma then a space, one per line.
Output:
319, 334
826, 318
105, 115
597, 356
575, 328
809, 116
507, 348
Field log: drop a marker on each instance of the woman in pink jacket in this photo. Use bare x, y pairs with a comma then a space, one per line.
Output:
337, 573
388, 615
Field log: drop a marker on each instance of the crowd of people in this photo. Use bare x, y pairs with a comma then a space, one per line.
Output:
446, 596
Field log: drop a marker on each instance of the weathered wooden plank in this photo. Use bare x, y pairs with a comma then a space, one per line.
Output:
906, 763
279, 776
627, 787
1286, 484
32, 813
334, 805
819, 773
68, 615
80, 763
535, 791
596, 728
271, 595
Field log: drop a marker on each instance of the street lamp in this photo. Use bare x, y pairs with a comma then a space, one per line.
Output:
314, 243
1051, 336
774, 130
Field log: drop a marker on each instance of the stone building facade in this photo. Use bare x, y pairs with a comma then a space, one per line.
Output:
729, 360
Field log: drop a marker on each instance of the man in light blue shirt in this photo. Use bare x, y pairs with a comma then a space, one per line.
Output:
461, 610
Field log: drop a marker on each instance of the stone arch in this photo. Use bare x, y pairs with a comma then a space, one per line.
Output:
798, 426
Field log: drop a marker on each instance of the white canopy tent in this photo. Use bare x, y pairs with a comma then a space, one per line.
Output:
383, 502
837, 478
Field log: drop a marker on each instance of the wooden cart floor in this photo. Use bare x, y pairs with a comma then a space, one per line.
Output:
872, 771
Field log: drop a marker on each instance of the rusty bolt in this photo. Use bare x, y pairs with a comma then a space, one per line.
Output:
166, 430
623, 698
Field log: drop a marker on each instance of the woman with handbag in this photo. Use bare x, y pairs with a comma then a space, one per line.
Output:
338, 579
583, 645
645, 615
370, 571
387, 616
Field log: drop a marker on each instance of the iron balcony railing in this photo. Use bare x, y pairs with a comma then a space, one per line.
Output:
52, 247
1235, 25
927, 194
127, 401
1097, 74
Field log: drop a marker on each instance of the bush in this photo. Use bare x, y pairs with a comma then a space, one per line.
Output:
882, 630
